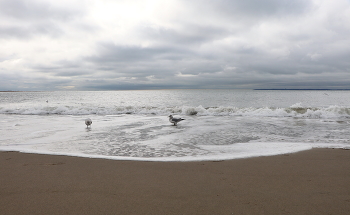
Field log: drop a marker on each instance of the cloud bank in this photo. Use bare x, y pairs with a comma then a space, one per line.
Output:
151, 44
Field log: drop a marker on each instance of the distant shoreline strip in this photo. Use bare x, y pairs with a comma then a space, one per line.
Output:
303, 89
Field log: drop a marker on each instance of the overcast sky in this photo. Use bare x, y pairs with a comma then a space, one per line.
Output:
190, 44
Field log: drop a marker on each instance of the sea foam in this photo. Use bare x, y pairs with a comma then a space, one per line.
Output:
333, 111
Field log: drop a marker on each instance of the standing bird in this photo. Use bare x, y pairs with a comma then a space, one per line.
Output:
88, 122
174, 120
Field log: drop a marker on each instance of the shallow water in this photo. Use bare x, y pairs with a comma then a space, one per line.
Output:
133, 125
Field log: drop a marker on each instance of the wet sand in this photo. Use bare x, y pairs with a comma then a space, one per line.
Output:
309, 182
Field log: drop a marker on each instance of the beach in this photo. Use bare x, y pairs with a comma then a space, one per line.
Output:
316, 181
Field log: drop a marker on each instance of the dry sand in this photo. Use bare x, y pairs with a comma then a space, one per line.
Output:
309, 182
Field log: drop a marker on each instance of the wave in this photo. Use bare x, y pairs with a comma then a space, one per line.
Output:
293, 111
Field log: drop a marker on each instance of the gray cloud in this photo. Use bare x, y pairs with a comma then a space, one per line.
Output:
122, 54
22, 32
198, 44
36, 11
26, 19
191, 35
251, 8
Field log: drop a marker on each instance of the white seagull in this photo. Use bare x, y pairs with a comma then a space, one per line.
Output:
88, 122
174, 120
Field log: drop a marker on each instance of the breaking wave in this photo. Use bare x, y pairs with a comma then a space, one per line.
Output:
293, 111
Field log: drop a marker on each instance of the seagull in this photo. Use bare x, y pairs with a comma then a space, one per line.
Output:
174, 120
88, 122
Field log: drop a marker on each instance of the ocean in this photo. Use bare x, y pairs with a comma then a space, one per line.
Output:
134, 125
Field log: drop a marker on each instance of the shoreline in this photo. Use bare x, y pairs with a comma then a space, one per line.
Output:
315, 181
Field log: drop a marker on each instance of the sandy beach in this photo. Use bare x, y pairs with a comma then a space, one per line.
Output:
309, 182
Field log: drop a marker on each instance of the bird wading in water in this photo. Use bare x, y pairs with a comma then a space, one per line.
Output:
88, 122
174, 120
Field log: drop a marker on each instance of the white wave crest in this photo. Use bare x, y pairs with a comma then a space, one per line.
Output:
294, 111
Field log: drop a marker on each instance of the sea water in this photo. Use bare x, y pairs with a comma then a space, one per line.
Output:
134, 125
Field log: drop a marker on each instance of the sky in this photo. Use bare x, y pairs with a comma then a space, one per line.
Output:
50, 45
